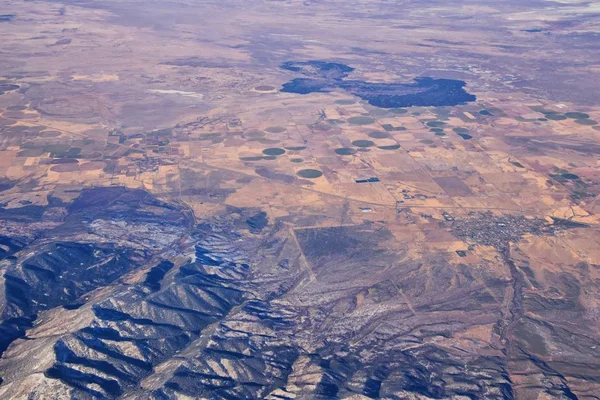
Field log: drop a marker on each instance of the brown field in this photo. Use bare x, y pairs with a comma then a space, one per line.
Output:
456, 246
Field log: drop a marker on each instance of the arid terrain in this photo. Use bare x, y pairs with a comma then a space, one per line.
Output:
314, 199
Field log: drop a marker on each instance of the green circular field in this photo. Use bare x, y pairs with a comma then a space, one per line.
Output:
345, 151
570, 176
252, 158
360, 120
264, 88
273, 151
588, 122
379, 135
390, 147
276, 129
363, 143
435, 124
577, 115
309, 173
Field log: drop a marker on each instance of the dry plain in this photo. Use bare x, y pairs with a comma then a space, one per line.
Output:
245, 241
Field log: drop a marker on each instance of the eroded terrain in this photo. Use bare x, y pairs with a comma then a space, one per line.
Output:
299, 199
